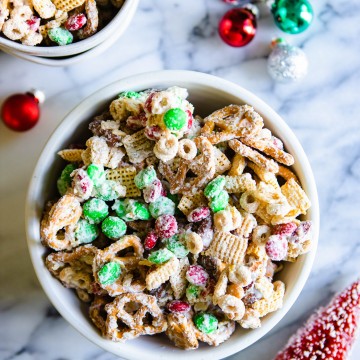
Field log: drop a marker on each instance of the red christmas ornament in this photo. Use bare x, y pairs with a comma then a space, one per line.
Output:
238, 27
20, 112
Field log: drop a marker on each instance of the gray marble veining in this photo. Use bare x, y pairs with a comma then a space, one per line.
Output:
323, 110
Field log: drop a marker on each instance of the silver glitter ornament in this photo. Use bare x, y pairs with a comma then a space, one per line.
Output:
286, 63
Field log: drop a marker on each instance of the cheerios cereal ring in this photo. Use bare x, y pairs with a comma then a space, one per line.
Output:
166, 147
15, 29
187, 149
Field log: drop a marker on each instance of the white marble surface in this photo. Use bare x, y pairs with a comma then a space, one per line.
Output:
323, 111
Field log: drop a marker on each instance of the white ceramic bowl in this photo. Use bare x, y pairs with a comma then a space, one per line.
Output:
113, 30
87, 55
207, 93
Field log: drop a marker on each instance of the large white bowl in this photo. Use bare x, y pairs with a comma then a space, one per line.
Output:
207, 93
114, 29
87, 55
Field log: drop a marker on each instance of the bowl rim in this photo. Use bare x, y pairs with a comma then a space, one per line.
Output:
74, 59
144, 81
80, 46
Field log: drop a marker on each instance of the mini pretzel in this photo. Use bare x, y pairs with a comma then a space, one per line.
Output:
92, 17
238, 165
235, 120
269, 148
128, 262
135, 319
203, 166
15, 28
286, 174
263, 175
73, 269
254, 156
63, 215
97, 312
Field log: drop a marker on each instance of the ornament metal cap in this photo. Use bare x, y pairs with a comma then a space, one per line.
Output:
253, 8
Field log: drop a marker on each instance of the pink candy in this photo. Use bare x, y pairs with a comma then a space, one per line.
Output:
178, 306
150, 240
153, 191
190, 120
166, 226
136, 122
75, 22
153, 132
34, 23
199, 214
276, 247
197, 275
284, 229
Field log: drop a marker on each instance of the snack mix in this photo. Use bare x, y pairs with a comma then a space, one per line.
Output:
54, 22
173, 223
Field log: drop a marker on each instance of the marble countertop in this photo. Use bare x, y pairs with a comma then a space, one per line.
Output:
322, 110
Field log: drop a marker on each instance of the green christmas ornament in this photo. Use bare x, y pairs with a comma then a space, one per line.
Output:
292, 16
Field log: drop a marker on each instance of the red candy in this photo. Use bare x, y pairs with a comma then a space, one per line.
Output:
153, 191
330, 332
276, 247
166, 226
190, 120
284, 229
148, 102
178, 306
197, 275
34, 23
153, 132
136, 122
150, 240
199, 214
75, 22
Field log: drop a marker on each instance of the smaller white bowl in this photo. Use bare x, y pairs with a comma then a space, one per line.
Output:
207, 93
114, 29
71, 60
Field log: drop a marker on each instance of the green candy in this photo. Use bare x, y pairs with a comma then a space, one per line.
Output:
219, 202
64, 180
162, 206
86, 232
145, 177
120, 208
175, 119
107, 191
130, 94
130, 210
109, 273
193, 292
214, 187
95, 210
292, 17
206, 323
176, 247
160, 256
61, 36
96, 174
113, 227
